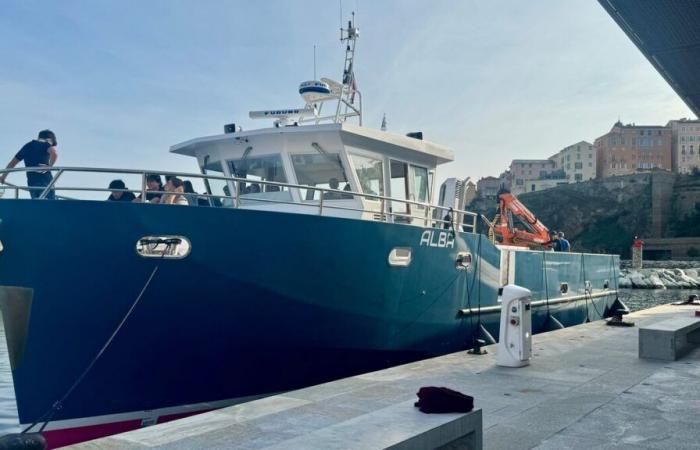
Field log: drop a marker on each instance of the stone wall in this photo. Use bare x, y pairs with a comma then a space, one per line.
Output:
686, 195
662, 199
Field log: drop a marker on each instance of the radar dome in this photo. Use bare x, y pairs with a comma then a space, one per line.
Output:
314, 91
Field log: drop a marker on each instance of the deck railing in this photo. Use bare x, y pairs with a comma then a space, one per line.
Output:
430, 215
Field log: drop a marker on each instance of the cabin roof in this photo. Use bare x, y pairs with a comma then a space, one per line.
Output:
379, 141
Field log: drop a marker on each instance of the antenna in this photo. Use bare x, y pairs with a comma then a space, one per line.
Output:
316, 93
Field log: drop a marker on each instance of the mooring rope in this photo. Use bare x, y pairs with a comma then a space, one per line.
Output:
58, 405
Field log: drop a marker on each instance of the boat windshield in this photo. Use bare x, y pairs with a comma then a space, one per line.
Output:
323, 171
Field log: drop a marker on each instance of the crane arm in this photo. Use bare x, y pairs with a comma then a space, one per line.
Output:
527, 230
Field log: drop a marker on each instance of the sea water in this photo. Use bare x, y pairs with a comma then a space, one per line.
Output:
8, 407
635, 299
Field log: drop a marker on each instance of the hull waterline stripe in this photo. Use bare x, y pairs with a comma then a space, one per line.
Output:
540, 303
144, 414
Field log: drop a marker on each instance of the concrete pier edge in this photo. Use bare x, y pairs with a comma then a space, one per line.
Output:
585, 388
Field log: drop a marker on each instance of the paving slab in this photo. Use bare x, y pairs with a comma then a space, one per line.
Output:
585, 388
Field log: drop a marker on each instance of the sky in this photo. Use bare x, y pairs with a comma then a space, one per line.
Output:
121, 81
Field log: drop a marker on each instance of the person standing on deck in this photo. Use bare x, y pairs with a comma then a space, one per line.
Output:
554, 241
565, 245
40, 152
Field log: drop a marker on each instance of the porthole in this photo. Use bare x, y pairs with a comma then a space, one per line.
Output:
463, 261
400, 257
166, 247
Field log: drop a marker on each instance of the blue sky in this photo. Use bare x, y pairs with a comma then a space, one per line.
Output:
121, 81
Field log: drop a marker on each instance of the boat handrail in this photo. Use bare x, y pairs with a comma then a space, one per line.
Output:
383, 211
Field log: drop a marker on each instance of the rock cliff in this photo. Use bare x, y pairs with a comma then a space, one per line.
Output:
596, 216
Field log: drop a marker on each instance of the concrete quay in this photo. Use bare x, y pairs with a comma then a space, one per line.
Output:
585, 388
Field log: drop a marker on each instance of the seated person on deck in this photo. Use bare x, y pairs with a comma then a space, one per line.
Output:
333, 183
154, 185
175, 189
118, 194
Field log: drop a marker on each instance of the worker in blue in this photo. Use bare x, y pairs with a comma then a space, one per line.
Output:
565, 245
40, 152
554, 243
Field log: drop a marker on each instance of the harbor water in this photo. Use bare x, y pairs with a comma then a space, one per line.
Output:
635, 299
8, 406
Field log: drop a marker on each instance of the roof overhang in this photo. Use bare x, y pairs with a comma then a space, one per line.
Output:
667, 34
375, 140
396, 145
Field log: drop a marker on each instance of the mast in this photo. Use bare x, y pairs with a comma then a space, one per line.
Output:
316, 93
349, 36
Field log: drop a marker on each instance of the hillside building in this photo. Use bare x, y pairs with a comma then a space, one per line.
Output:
488, 187
506, 180
578, 161
685, 145
556, 179
628, 149
523, 171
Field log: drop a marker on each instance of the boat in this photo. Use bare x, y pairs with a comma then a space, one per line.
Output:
317, 253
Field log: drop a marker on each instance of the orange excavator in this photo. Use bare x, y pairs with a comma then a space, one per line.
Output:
515, 225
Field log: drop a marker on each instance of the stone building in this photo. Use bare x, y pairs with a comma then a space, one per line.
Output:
631, 148
522, 171
487, 187
578, 161
686, 145
506, 179
541, 184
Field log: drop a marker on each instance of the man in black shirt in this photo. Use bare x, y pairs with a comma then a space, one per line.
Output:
118, 194
40, 152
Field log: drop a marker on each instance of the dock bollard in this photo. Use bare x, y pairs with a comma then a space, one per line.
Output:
23, 441
617, 311
692, 300
515, 336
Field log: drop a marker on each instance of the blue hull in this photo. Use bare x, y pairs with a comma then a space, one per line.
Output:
265, 302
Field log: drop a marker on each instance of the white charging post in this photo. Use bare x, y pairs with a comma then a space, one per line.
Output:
515, 336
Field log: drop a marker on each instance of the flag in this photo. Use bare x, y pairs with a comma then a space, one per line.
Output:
353, 89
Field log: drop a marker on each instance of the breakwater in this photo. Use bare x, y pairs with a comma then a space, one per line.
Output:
659, 278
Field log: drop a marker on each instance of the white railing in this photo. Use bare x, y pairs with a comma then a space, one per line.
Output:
431, 215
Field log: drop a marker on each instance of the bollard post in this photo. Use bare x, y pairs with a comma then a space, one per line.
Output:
637, 253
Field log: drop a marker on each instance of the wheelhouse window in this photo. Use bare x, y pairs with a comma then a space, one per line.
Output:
258, 169
321, 170
217, 188
420, 183
370, 174
431, 180
399, 186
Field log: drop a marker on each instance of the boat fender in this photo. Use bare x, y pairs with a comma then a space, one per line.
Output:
22, 441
